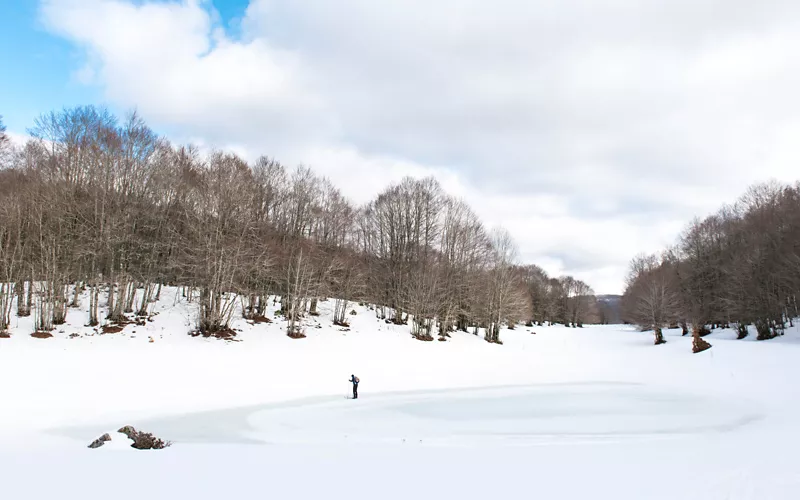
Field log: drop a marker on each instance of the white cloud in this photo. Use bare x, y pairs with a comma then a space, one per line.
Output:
592, 129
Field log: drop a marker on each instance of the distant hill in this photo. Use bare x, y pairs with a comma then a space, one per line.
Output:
609, 308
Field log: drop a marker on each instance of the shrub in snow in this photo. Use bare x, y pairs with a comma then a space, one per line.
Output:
219, 333
144, 440
128, 430
147, 441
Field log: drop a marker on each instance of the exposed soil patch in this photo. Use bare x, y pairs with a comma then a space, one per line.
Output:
42, 335
113, 328
259, 319
223, 334
5, 335
296, 335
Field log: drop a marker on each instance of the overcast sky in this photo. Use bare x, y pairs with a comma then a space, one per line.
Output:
592, 129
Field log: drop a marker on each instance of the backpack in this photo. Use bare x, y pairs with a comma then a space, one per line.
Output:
356, 380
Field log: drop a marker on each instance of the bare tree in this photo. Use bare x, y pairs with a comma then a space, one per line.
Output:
346, 282
505, 293
5, 143
651, 296
94, 202
10, 259
740, 265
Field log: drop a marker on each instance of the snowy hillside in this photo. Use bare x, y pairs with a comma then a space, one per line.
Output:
597, 412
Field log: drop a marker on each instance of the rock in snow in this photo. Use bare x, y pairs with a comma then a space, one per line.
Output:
97, 443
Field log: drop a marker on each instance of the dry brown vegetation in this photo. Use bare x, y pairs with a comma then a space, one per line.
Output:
104, 205
738, 267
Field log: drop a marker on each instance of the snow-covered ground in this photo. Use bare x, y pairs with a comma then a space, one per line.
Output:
597, 412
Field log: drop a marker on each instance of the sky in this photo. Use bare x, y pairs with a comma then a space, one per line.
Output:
593, 130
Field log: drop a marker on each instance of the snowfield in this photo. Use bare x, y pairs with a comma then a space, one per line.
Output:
597, 412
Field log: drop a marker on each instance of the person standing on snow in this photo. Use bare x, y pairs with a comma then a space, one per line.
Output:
355, 382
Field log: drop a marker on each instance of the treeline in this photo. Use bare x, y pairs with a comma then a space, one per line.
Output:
92, 202
738, 267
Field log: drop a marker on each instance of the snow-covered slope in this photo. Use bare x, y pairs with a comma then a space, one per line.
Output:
597, 412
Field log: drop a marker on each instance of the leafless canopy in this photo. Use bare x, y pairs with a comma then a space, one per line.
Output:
94, 202
739, 266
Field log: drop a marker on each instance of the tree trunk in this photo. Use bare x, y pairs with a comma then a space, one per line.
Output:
698, 343
94, 294
147, 294
6, 301
131, 297
763, 330
76, 296
23, 308
248, 307
110, 304
741, 330
59, 299
29, 298
284, 304
312, 310
659, 336
261, 306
